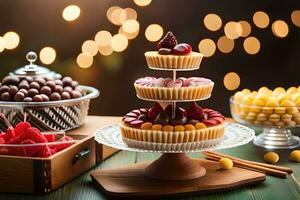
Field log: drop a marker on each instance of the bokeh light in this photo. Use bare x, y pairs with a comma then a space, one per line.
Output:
280, 28
129, 36
70, 13
117, 16
84, 60
90, 47
225, 45
207, 47
119, 42
12, 40
154, 32
246, 28
130, 13
231, 81
295, 17
212, 22
2, 44
261, 19
251, 45
106, 51
102, 38
142, 2
233, 30
47, 55
131, 26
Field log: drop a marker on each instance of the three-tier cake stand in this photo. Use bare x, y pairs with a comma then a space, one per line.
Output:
174, 173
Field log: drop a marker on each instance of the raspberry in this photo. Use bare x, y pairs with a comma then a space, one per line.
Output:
21, 127
31, 150
30, 133
50, 137
45, 152
169, 41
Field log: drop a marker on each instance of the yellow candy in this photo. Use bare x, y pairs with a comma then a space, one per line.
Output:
200, 125
225, 163
168, 128
297, 102
254, 93
258, 102
262, 117
284, 96
267, 110
246, 91
179, 128
274, 118
291, 90
295, 156
262, 97
263, 90
279, 110
146, 126
251, 116
156, 127
287, 103
296, 96
238, 96
271, 157
189, 127
272, 102
256, 107
279, 90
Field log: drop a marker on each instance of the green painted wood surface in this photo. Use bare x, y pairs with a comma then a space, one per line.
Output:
273, 188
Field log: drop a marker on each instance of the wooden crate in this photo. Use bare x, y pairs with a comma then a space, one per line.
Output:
42, 175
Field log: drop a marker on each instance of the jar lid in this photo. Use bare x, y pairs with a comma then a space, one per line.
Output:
32, 69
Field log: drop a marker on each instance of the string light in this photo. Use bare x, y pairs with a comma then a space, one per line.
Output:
84, 60
130, 26
207, 47
47, 55
12, 40
233, 30
231, 81
261, 19
225, 45
90, 47
280, 28
212, 22
119, 42
129, 36
70, 13
130, 13
246, 28
154, 32
102, 38
251, 45
295, 17
142, 2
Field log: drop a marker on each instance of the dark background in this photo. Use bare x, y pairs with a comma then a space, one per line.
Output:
40, 23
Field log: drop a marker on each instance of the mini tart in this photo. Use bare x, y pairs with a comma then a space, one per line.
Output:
158, 61
182, 93
172, 137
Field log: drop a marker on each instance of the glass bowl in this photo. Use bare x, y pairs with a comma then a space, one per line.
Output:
276, 123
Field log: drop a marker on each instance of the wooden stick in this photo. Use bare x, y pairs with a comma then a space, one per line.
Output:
280, 168
261, 169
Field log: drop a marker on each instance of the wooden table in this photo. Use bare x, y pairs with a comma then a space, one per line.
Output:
82, 187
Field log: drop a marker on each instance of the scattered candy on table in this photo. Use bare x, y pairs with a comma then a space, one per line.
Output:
27, 139
271, 157
225, 163
295, 156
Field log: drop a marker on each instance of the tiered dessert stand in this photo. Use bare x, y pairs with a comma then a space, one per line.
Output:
174, 173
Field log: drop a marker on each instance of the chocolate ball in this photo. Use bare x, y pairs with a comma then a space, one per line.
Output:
24, 91
74, 84
58, 82
76, 94
27, 99
24, 85
29, 79
45, 97
10, 80
59, 89
49, 78
46, 90
19, 96
5, 96
68, 89
34, 85
55, 96
51, 84
32, 92
40, 81
13, 90
67, 81
37, 98
57, 76
4, 88
65, 95
165, 51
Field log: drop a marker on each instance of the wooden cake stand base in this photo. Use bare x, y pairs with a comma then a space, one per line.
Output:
172, 175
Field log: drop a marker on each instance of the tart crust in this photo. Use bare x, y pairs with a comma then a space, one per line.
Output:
158, 61
172, 137
182, 93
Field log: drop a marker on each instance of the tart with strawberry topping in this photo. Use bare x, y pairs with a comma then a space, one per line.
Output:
171, 55
193, 88
157, 125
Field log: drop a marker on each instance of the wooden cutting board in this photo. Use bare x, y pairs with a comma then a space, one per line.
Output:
129, 181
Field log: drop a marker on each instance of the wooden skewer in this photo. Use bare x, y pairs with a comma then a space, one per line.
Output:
280, 168
262, 169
